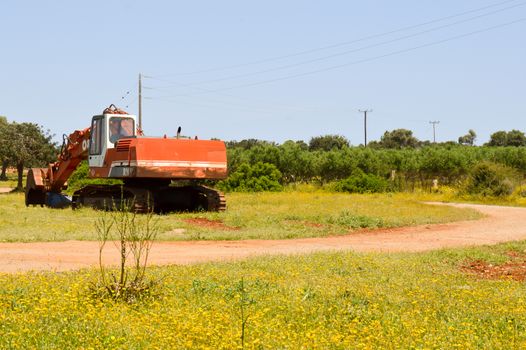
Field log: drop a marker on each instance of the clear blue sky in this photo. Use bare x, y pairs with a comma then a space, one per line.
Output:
221, 72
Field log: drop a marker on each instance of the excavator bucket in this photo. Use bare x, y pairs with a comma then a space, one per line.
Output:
35, 190
36, 193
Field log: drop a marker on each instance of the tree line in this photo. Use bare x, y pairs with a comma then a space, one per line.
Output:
24, 145
397, 156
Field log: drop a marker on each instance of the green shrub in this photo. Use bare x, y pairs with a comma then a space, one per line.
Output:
490, 179
253, 178
353, 221
363, 183
450, 163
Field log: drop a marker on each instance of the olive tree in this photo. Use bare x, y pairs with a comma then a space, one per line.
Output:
468, 139
5, 141
399, 138
328, 143
29, 146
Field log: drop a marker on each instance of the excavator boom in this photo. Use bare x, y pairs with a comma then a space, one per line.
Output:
44, 181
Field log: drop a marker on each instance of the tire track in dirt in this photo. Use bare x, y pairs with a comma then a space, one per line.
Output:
500, 224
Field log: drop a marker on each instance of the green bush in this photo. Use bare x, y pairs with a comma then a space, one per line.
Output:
450, 163
490, 179
363, 183
253, 178
353, 221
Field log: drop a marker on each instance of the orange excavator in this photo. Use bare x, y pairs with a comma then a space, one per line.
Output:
149, 168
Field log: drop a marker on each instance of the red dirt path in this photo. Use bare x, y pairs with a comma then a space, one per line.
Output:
217, 224
510, 270
500, 224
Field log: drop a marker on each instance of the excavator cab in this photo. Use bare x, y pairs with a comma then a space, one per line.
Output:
106, 130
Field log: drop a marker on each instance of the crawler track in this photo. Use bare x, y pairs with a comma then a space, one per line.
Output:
150, 197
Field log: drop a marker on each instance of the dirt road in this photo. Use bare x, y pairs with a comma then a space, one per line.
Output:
499, 225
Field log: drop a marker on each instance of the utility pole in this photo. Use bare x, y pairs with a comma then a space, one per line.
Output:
140, 101
365, 111
435, 122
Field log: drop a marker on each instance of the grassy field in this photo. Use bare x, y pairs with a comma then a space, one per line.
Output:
11, 181
318, 301
449, 194
249, 216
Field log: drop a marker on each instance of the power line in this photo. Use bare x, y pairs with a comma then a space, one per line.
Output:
277, 58
205, 90
130, 103
202, 105
374, 58
323, 58
125, 95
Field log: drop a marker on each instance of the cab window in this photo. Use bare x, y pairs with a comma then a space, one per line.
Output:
95, 142
120, 128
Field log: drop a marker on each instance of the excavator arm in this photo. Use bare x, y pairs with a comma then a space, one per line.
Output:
43, 183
